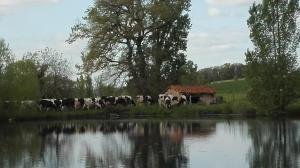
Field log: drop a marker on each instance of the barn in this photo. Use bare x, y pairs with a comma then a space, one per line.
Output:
198, 93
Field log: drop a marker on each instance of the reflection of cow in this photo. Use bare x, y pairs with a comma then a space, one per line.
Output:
144, 99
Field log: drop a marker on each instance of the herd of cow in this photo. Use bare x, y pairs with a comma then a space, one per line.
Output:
101, 102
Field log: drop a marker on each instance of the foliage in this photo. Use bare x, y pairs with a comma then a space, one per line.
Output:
224, 72
80, 90
6, 56
84, 86
21, 82
89, 86
294, 107
106, 89
272, 63
53, 73
189, 74
142, 42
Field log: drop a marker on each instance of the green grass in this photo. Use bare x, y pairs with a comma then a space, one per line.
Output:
294, 107
231, 90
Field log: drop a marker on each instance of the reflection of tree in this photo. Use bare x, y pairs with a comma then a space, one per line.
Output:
99, 144
274, 144
17, 143
151, 149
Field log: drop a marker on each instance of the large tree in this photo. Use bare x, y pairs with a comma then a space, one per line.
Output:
271, 64
138, 40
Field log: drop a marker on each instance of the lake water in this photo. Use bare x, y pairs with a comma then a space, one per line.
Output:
208, 143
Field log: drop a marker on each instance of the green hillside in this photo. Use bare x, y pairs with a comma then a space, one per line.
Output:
231, 90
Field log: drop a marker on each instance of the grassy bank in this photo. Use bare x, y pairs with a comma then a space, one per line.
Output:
115, 112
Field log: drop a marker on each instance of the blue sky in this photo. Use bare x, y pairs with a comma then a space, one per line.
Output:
219, 32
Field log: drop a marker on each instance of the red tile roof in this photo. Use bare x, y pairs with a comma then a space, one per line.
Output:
197, 89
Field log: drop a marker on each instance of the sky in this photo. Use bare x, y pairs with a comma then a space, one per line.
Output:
219, 32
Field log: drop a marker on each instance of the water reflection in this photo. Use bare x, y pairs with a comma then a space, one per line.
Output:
99, 144
274, 144
151, 144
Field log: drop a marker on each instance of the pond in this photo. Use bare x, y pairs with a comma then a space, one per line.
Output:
209, 143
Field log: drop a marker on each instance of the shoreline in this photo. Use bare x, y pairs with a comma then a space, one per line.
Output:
142, 112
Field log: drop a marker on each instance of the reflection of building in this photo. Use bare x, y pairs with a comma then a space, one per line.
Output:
199, 93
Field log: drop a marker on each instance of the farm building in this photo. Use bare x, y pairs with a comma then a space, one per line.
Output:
198, 93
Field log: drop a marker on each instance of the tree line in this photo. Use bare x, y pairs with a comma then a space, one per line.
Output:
47, 74
40, 74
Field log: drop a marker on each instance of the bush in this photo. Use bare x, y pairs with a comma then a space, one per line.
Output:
242, 107
294, 107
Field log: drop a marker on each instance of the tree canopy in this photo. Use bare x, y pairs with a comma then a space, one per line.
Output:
141, 41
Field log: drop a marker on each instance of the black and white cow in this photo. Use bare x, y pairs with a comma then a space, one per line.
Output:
108, 100
68, 104
164, 100
50, 104
78, 103
178, 100
168, 100
99, 103
142, 99
182, 100
125, 101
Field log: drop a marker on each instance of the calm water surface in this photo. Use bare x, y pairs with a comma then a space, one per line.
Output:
151, 144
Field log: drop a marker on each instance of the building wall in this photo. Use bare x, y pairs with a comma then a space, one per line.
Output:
207, 99
172, 92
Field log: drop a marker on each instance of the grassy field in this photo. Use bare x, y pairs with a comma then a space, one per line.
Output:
231, 90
